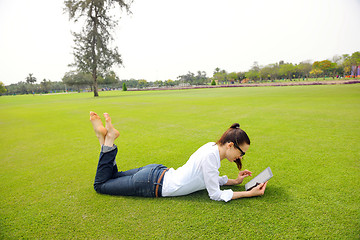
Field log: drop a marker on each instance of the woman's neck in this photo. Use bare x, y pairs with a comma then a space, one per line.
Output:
222, 150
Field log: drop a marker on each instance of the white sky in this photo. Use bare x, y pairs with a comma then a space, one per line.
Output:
163, 39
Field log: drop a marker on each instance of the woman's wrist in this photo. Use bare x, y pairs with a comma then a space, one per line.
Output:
238, 181
243, 194
232, 182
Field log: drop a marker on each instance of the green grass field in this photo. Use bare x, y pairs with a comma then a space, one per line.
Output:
308, 135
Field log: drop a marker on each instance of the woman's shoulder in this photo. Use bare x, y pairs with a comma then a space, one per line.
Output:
210, 149
210, 144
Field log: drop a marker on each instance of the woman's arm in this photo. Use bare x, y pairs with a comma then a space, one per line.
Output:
209, 168
231, 182
240, 178
256, 191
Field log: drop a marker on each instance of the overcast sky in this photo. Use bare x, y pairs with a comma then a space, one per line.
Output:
163, 39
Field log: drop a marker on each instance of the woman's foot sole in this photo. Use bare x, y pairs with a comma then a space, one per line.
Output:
99, 129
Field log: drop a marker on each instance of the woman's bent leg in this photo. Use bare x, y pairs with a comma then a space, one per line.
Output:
135, 182
133, 171
109, 181
122, 186
106, 168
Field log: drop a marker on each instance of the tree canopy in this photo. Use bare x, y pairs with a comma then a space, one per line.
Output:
30, 78
93, 53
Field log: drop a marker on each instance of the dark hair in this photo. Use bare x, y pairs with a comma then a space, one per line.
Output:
237, 136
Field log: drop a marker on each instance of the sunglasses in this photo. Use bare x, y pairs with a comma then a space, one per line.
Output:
242, 152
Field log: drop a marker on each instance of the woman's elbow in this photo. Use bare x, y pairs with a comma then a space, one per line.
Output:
215, 197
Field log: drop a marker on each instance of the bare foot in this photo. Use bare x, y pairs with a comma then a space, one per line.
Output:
99, 129
112, 133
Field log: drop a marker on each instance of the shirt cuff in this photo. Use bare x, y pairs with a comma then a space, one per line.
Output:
227, 195
223, 180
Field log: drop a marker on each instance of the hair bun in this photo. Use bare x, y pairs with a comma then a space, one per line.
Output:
235, 125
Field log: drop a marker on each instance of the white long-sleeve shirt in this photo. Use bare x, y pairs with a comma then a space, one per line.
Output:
201, 171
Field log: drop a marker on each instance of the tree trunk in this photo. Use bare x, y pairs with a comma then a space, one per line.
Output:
93, 52
96, 93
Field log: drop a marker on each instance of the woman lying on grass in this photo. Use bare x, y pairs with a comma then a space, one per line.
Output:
155, 180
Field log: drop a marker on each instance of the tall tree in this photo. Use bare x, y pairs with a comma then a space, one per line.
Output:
30, 79
93, 52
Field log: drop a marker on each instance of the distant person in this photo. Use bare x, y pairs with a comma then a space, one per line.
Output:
155, 180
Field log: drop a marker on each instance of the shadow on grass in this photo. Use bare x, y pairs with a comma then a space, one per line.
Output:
200, 196
273, 194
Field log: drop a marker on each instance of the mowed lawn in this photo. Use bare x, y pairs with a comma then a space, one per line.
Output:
308, 135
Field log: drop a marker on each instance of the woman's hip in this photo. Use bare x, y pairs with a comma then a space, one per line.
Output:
135, 182
146, 180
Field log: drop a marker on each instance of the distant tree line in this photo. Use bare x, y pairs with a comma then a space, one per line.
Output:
46, 86
340, 66
72, 81
29, 86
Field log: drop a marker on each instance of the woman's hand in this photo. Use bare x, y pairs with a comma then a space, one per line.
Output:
258, 190
242, 175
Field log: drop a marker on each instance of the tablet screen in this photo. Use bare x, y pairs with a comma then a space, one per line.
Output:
261, 178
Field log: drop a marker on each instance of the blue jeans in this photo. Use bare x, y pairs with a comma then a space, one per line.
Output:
135, 182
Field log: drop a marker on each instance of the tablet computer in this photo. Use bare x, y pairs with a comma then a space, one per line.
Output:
261, 178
